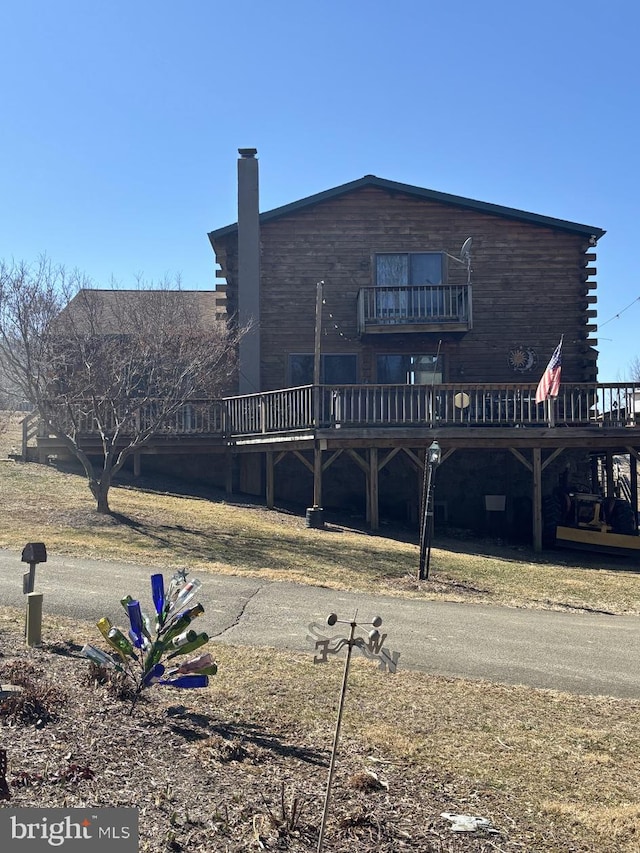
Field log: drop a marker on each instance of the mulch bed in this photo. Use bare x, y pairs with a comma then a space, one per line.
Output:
202, 777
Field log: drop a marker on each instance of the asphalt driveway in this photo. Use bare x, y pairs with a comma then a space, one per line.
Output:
576, 652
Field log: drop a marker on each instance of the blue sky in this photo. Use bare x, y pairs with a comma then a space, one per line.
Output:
121, 123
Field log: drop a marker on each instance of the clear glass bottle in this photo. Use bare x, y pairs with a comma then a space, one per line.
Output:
99, 657
200, 640
185, 595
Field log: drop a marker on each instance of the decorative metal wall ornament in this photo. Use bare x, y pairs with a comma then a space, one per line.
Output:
371, 646
145, 655
522, 358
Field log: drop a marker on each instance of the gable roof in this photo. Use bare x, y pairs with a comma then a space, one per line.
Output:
109, 307
427, 195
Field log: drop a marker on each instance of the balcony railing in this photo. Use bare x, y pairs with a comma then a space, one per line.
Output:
394, 309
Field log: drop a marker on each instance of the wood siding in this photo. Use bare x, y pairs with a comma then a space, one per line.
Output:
531, 284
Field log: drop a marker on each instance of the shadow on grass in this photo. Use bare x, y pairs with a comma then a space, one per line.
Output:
566, 558
281, 550
193, 726
273, 549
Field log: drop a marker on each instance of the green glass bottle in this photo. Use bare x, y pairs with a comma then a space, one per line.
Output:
153, 655
120, 643
176, 627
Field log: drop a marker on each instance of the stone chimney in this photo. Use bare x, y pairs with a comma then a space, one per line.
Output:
248, 271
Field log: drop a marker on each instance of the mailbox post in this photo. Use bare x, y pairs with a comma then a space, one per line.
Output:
33, 553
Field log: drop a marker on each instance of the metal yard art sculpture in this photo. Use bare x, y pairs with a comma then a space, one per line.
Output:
372, 646
152, 651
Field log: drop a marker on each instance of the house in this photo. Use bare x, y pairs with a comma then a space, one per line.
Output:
379, 317
401, 302
383, 292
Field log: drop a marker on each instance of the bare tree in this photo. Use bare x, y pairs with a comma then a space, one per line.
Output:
107, 370
634, 369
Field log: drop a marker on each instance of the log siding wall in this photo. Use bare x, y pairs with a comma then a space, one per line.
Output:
531, 284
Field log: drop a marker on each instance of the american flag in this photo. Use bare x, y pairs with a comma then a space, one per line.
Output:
549, 385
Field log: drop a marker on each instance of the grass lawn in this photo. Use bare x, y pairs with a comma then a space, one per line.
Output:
221, 769
154, 523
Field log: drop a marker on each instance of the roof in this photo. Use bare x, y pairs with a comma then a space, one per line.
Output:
110, 307
427, 195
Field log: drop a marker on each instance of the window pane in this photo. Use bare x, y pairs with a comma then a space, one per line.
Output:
426, 268
392, 270
393, 369
334, 369
409, 369
425, 370
340, 369
300, 370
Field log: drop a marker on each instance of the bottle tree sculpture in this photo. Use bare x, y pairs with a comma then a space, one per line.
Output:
153, 650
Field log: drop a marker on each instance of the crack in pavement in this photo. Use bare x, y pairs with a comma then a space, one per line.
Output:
241, 612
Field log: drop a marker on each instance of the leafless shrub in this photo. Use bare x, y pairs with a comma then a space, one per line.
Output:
36, 703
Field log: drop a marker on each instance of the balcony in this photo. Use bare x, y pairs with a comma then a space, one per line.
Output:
424, 308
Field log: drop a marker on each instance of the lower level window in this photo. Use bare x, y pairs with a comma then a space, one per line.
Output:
334, 369
409, 369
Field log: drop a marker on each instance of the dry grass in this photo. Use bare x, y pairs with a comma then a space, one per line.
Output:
220, 769
157, 525
242, 765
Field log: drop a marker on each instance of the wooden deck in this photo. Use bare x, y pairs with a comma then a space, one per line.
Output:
372, 423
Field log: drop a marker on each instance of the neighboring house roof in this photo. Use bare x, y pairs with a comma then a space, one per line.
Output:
427, 195
110, 305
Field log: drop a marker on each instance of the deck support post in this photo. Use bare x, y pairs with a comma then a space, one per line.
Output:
228, 481
269, 479
633, 482
317, 475
374, 514
537, 500
610, 488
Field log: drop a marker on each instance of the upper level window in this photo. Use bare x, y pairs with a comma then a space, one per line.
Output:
334, 369
405, 269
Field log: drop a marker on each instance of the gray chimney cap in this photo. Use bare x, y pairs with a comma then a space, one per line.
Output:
247, 152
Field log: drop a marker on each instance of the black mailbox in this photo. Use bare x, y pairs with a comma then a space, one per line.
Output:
34, 552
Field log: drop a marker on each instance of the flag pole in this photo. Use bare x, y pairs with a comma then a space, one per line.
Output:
551, 413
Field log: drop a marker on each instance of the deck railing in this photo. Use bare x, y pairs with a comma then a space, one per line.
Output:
479, 405
291, 410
